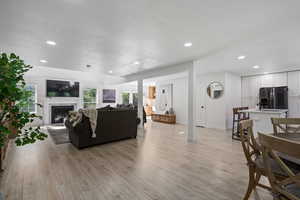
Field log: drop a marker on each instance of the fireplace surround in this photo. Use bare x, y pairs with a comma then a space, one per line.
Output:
59, 113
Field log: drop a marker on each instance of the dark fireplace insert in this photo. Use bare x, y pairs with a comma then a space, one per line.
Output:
59, 113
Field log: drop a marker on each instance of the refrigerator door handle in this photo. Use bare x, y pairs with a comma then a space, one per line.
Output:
274, 98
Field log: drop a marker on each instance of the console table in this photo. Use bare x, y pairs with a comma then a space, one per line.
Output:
165, 118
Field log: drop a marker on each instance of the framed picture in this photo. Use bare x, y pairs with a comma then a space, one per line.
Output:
109, 96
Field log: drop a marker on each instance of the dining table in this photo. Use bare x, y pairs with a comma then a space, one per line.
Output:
287, 136
292, 137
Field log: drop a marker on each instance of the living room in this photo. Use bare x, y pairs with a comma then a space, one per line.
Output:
149, 100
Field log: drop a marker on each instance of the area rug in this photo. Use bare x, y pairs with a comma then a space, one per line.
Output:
59, 134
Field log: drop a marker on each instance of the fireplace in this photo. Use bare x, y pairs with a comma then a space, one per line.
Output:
59, 113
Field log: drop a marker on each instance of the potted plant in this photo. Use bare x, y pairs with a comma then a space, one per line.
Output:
14, 120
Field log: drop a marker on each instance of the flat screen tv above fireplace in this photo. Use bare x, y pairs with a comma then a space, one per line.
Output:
57, 88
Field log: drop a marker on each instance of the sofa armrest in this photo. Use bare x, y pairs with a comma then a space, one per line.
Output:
80, 135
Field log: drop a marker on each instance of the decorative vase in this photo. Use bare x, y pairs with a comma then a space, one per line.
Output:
171, 111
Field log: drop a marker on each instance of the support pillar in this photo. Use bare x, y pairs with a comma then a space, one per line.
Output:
140, 107
191, 136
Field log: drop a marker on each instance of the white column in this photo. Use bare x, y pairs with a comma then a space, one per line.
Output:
191, 136
130, 97
140, 106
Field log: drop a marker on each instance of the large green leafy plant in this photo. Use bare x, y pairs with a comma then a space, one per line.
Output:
13, 98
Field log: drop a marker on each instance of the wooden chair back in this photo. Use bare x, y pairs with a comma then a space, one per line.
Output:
271, 145
237, 118
286, 125
240, 115
250, 146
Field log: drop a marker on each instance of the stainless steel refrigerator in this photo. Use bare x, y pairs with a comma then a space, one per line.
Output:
273, 97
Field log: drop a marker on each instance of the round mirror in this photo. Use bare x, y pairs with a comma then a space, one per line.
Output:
215, 90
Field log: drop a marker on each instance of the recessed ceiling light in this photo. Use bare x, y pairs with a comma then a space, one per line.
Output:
266, 72
110, 71
43, 61
241, 57
256, 67
188, 44
136, 63
52, 43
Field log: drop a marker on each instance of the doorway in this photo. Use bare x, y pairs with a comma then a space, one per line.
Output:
201, 106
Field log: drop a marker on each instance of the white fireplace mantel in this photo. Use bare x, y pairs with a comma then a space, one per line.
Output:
47, 109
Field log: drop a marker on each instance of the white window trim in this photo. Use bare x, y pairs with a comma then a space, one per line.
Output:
130, 96
35, 98
96, 100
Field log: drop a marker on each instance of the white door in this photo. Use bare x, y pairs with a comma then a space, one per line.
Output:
201, 106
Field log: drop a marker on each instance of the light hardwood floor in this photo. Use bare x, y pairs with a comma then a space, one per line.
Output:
162, 165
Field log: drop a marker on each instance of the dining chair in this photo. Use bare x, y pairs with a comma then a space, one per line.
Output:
286, 125
287, 188
253, 156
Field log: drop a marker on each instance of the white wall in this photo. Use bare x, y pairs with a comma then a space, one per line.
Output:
180, 100
218, 112
164, 101
38, 77
233, 94
214, 108
180, 92
180, 86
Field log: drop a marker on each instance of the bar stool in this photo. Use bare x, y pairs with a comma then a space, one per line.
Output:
238, 116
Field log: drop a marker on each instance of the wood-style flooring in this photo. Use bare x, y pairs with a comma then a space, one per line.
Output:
162, 165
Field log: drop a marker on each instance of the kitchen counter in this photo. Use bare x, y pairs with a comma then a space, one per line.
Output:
268, 111
262, 119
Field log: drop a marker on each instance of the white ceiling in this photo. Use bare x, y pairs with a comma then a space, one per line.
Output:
112, 34
275, 51
153, 81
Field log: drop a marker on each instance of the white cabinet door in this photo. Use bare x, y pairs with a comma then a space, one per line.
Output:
293, 83
255, 86
279, 79
201, 106
274, 80
294, 92
266, 80
250, 90
247, 88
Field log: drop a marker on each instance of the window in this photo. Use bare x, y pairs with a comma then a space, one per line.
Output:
90, 98
31, 104
135, 99
125, 98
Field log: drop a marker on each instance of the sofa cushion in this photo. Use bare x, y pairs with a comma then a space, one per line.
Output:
108, 107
